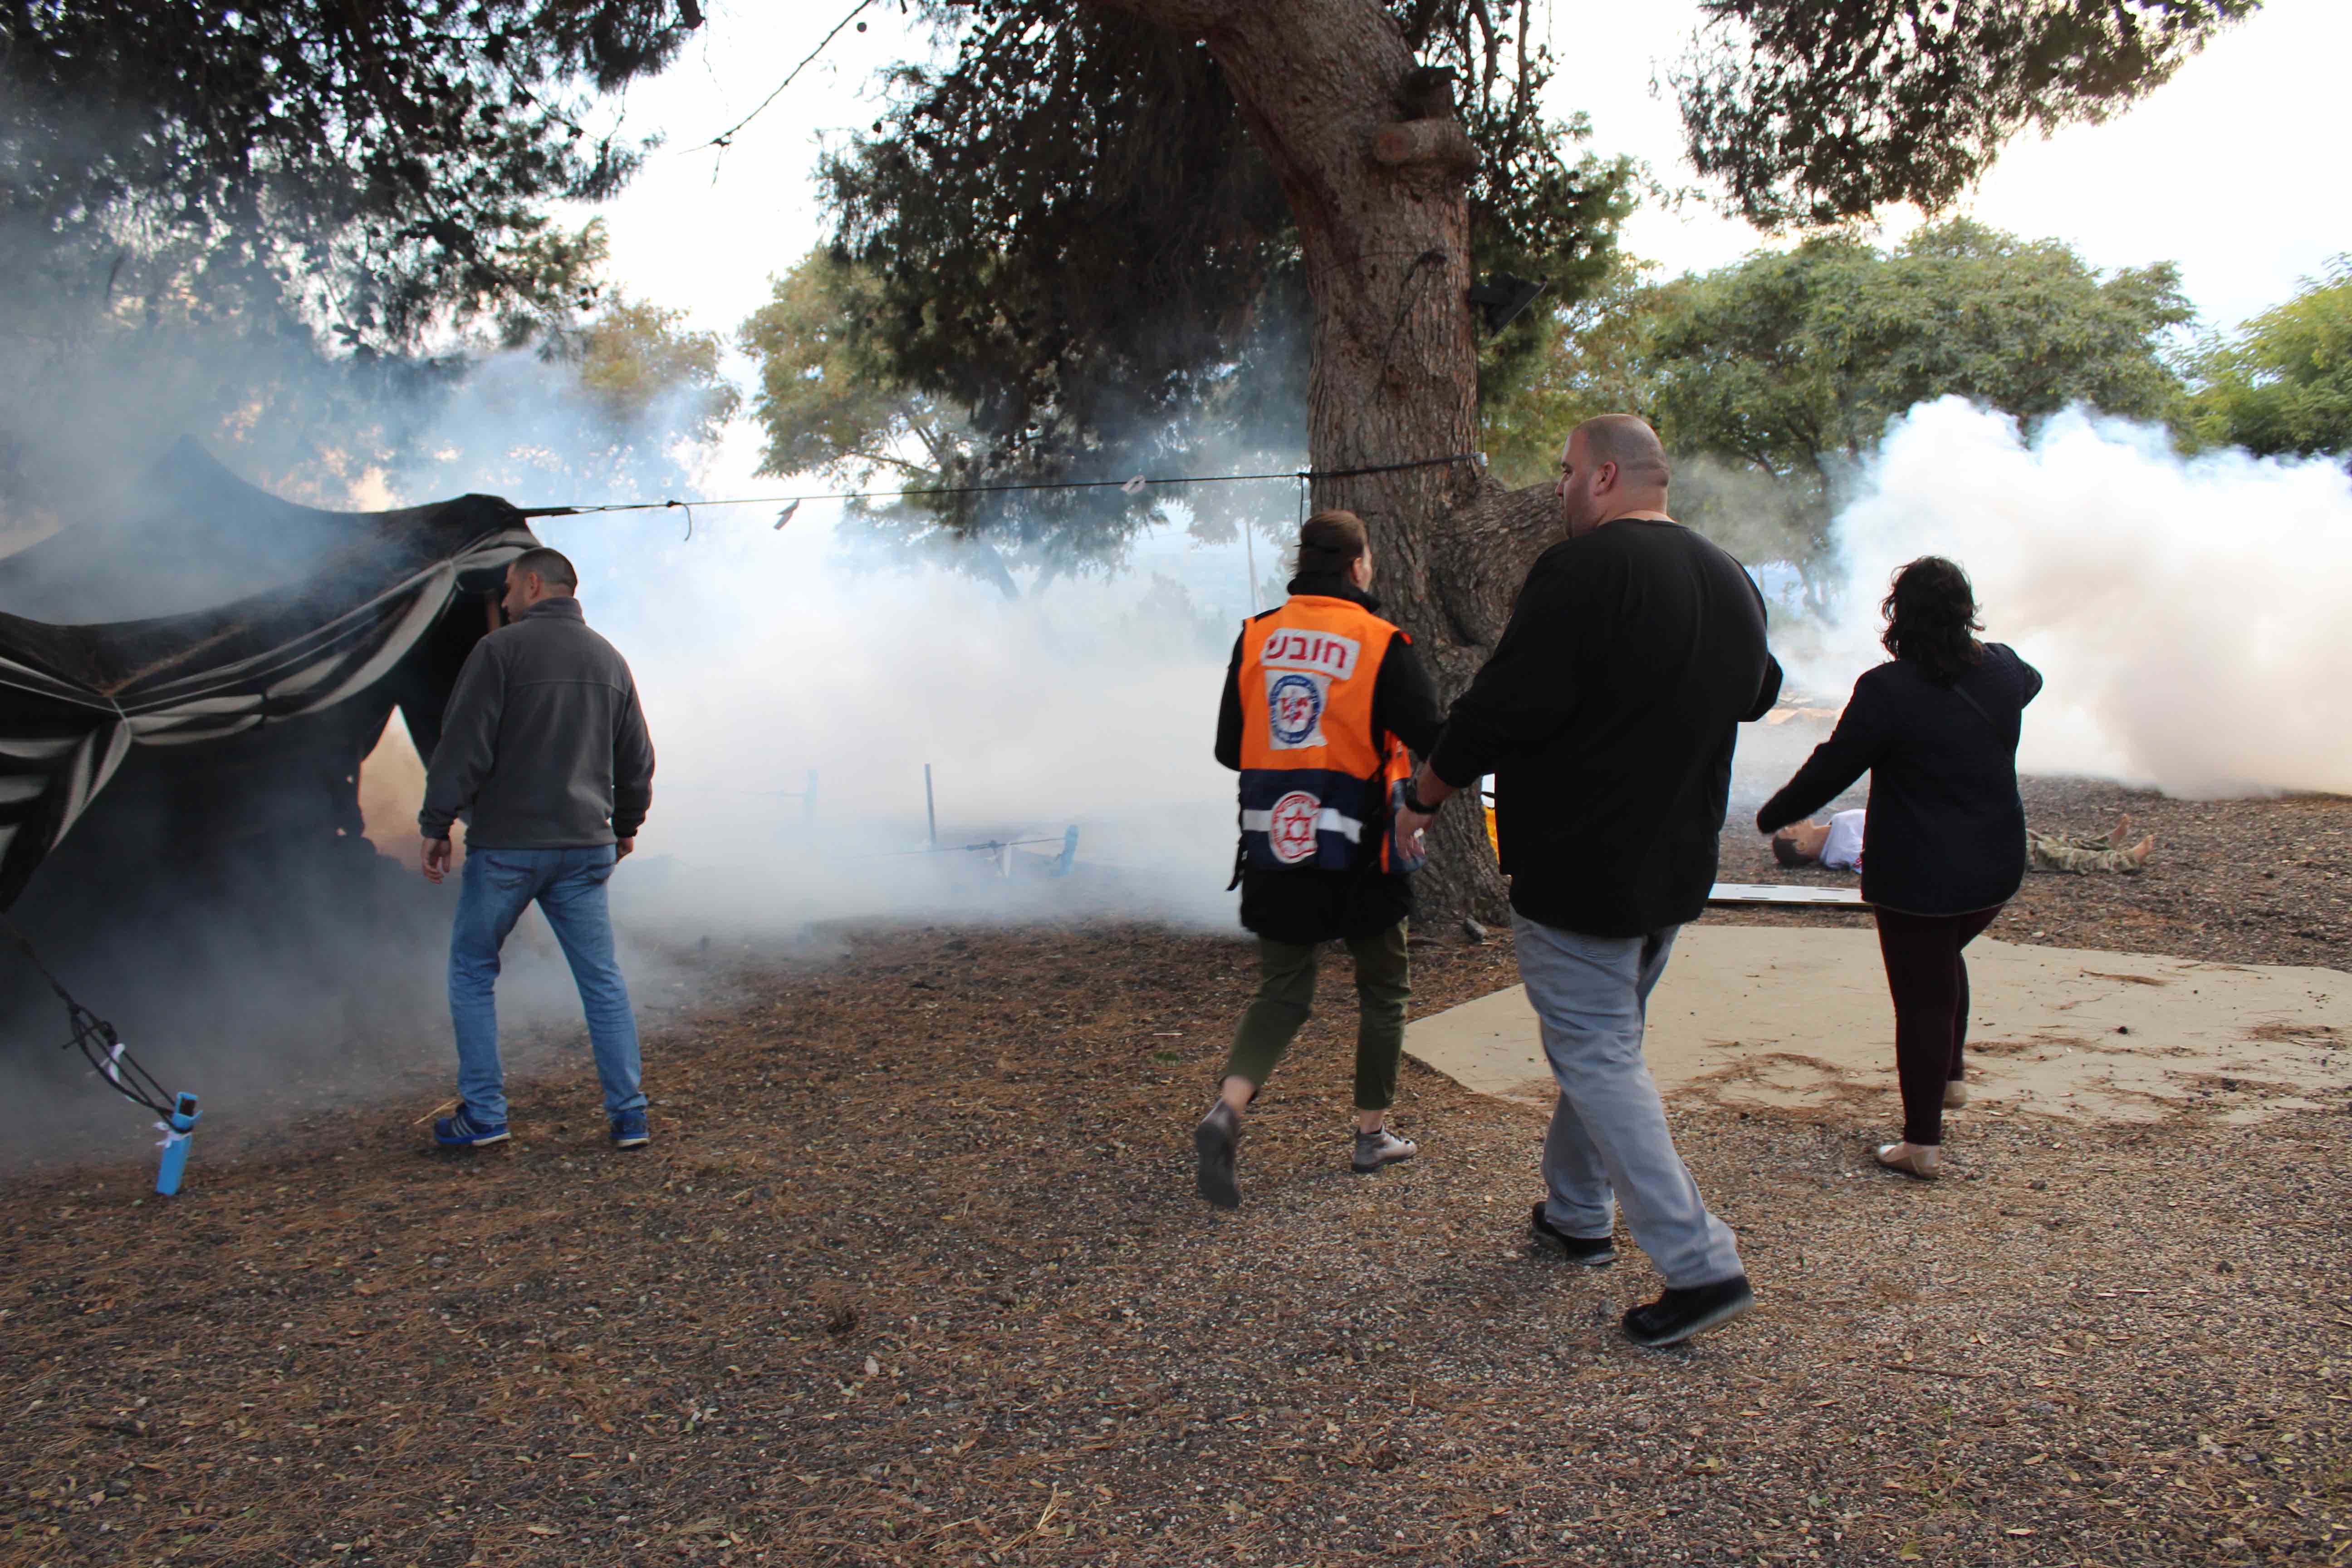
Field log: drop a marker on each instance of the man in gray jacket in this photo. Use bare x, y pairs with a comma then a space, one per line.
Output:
544, 753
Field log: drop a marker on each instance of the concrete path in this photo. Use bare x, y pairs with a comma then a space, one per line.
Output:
1772, 1015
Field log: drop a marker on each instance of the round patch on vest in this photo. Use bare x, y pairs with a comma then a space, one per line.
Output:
1295, 707
1290, 826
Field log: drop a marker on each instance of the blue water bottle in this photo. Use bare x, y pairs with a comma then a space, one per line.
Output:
174, 1164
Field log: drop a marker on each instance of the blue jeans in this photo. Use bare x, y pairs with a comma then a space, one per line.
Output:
1608, 1141
494, 887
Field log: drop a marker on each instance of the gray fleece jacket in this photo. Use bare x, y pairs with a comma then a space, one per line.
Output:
544, 745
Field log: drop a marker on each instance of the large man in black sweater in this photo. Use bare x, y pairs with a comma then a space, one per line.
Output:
1608, 714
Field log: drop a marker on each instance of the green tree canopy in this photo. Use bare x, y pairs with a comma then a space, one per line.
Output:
827, 404
830, 403
2283, 382
1813, 112
1070, 233
377, 161
289, 229
1771, 378
1070, 248
606, 399
611, 408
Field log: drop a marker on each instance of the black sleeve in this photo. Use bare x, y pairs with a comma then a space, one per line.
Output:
1857, 742
1528, 688
1769, 692
1229, 715
1404, 699
2029, 680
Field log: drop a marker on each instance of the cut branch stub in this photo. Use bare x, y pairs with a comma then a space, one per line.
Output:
1437, 144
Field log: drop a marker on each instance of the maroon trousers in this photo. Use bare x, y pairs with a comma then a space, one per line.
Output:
1930, 982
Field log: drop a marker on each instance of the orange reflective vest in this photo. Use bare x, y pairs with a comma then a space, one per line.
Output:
1313, 771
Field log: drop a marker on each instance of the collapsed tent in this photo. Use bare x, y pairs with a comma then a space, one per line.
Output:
214, 662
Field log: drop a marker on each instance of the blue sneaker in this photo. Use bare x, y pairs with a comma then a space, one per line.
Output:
629, 1131
462, 1131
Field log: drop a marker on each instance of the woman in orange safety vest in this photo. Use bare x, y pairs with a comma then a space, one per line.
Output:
1322, 703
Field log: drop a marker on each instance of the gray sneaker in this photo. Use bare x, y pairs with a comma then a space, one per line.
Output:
1375, 1149
1212, 1141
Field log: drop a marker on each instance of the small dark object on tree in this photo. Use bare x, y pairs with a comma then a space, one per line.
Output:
1501, 299
1428, 94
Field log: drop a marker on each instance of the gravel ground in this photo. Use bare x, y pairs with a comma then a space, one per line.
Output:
914, 1274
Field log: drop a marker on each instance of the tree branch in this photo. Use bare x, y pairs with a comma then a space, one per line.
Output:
1440, 144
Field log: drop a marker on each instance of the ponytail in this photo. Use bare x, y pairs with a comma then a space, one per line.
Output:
1329, 542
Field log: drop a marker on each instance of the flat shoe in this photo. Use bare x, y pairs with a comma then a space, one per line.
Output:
1908, 1159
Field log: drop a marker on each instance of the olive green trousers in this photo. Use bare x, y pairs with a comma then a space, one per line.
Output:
1285, 998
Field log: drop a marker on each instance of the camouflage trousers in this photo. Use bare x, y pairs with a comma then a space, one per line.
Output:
2087, 852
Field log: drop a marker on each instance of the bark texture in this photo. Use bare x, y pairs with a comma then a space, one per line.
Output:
1443, 144
1378, 191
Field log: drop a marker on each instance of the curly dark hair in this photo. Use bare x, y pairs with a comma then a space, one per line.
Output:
1931, 615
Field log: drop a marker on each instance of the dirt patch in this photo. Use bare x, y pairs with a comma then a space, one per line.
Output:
2299, 1034
914, 1274
1761, 1015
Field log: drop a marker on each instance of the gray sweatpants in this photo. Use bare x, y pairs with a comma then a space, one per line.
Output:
1609, 1141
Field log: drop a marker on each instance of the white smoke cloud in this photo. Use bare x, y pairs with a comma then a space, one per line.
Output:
2186, 614
1076, 705
764, 656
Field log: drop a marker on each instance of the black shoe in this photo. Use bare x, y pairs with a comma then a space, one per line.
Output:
1592, 1251
1676, 1315
1213, 1142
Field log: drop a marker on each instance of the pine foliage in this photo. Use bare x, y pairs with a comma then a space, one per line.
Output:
1072, 241
1812, 112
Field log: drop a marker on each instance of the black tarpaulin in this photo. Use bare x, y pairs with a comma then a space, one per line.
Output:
210, 610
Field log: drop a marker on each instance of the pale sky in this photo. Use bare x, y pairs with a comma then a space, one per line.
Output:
2235, 169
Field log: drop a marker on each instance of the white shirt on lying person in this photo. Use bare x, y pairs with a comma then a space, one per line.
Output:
1841, 851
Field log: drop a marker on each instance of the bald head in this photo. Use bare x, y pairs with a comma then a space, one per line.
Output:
1612, 466
1626, 440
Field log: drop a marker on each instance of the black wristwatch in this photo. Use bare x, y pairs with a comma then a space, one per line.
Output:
1412, 802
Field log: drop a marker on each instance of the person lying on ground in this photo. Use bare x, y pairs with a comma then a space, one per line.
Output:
1322, 701
1836, 846
544, 753
1943, 846
1608, 713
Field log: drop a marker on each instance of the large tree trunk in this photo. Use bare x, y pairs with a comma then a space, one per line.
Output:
1383, 221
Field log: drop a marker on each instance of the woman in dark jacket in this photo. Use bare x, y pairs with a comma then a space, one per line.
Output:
1943, 848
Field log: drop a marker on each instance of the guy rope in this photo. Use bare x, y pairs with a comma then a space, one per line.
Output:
106, 1053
